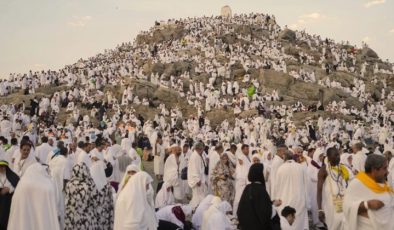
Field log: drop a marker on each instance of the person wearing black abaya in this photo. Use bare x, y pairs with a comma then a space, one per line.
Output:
8, 182
255, 207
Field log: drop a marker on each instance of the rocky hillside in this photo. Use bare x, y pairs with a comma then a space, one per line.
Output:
187, 48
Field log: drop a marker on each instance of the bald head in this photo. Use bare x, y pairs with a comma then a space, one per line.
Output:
176, 150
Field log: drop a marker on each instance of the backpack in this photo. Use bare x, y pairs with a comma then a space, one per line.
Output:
109, 169
184, 173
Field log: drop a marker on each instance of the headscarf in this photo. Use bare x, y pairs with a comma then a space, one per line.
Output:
21, 168
37, 213
316, 158
256, 173
225, 154
81, 178
256, 156
132, 207
267, 163
126, 176
97, 170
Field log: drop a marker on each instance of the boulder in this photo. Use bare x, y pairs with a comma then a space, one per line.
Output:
275, 80
288, 35
369, 53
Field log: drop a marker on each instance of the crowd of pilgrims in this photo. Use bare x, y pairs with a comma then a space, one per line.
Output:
92, 182
258, 172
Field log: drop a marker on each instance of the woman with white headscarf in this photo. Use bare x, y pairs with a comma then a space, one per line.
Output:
201, 208
130, 171
134, 209
215, 217
256, 158
24, 159
37, 213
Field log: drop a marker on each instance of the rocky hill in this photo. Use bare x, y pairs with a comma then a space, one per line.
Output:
196, 49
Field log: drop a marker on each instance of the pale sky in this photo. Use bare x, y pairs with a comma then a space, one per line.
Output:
49, 34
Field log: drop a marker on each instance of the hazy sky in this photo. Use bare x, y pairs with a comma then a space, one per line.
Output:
42, 34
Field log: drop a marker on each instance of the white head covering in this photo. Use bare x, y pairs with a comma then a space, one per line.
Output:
266, 162
129, 168
97, 170
132, 208
254, 156
316, 156
20, 168
37, 213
